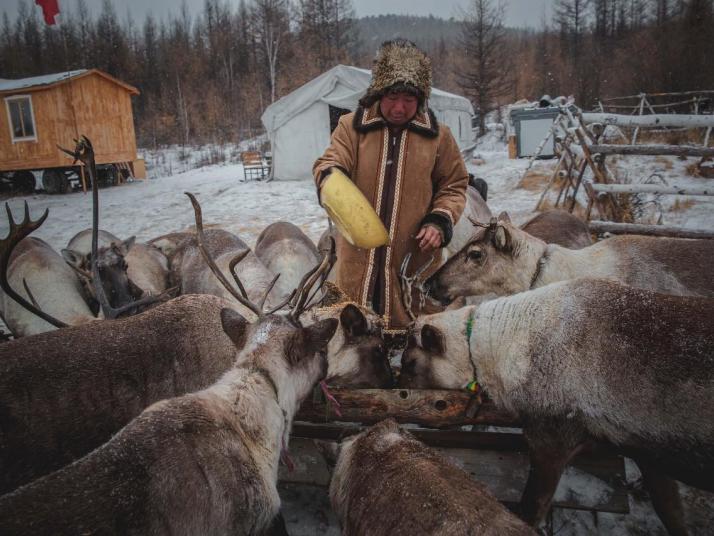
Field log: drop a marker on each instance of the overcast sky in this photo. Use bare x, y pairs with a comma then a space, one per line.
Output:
519, 12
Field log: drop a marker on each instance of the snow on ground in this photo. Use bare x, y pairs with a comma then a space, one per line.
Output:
158, 205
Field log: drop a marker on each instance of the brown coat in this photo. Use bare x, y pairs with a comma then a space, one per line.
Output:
425, 183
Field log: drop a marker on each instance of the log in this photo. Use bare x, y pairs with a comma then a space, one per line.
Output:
597, 226
430, 408
654, 150
656, 120
657, 189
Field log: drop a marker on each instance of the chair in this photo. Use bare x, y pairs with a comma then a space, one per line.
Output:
254, 166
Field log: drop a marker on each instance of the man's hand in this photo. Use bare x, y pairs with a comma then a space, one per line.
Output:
429, 238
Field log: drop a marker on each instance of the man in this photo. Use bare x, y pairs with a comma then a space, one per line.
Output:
410, 168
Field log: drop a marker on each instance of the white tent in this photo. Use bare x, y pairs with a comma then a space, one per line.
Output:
298, 125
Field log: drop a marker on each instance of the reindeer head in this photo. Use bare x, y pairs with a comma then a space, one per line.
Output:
500, 259
437, 353
112, 272
292, 356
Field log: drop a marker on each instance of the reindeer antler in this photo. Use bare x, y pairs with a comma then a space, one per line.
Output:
7, 245
407, 282
299, 297
84, 152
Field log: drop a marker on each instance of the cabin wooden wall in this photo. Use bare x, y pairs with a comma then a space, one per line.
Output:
89, 105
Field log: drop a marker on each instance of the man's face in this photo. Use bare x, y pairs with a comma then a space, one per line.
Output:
398, 108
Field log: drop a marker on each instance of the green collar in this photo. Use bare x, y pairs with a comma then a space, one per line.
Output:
472, 386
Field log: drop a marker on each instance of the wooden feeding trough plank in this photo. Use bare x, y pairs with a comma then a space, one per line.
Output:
656, 189
592, 482
430, 408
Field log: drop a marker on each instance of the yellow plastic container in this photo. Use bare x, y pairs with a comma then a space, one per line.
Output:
351, 212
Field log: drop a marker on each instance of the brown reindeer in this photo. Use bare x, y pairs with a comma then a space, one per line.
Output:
64, 393
386, 482
584, 361
558, 227
502, 259
201, 463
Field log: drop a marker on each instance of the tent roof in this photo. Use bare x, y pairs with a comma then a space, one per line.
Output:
47, 80
353, 82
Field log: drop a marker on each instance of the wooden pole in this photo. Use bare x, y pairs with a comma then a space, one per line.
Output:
431, 408
658, 120
656, 189
654, 150
597, 226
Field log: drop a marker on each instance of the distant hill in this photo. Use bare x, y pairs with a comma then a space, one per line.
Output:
426, 32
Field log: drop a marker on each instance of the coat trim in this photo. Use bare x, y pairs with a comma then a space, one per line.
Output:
368, 119
378, 206
392, 227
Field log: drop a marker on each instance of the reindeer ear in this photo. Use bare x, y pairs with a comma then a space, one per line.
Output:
309, 340
319, 334
353, 321
235, 326
504, 217
125, 245
432, 340
502, 238
73, 258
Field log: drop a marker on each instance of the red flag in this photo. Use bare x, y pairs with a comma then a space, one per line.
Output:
50, 9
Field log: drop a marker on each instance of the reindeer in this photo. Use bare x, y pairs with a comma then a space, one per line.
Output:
146, 265
81, 385
584, 361
284, 249
356, 356
386, 482
41, 276
502, 259
201, 463
558, 227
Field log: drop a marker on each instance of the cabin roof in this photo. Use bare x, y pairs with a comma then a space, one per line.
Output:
35, 83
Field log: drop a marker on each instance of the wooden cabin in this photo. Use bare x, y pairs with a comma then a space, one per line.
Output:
43, 112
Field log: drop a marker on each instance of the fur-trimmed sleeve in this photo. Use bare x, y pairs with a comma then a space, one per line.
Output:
450, 180
340, 153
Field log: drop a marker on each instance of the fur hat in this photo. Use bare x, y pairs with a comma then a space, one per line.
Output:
399, 65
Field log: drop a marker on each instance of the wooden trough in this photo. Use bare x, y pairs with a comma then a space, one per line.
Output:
498, 458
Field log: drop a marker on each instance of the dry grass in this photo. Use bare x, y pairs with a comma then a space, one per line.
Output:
681, 205
665, 162
692, 136
536, 181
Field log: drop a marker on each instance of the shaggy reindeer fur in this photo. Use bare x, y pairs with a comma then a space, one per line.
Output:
388, 483
585, 360
66, 392
202, 463
284, 249
55, 286
509, 260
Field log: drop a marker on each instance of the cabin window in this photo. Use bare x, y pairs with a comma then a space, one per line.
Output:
22, 119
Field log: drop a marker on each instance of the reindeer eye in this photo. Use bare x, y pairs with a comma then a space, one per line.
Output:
475, 255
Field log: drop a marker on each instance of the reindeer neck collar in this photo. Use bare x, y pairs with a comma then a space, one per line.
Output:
539, 268
472, 386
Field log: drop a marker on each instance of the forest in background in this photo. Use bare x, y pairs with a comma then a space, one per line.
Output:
208, 78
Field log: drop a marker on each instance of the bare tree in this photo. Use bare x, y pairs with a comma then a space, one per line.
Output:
271, 27
486, 75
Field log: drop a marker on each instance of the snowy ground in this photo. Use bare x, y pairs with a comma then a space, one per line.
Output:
157, 206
